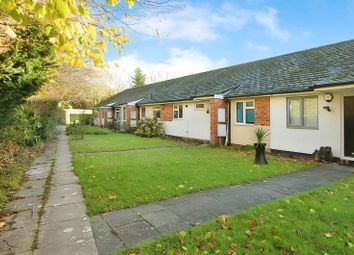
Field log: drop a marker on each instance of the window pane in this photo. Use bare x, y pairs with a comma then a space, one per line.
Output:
199, 106
310, 112
239, 112
180, 111
250, 116
294, 113
175, 114
249, 104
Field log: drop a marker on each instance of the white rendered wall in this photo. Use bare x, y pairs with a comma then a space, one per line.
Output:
306, 140
194, 124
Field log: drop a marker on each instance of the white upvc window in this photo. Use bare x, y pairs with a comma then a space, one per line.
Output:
109, 115
116, 113
178, 111
142, 112
302, 112
200, 106
245, 112
156, 112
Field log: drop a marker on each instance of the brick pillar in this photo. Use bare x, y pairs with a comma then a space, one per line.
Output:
130, 118
262, 111
166, 112
214, 104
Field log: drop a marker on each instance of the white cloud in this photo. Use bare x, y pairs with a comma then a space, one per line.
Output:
269, 20
180, 62
204, 24
253, 46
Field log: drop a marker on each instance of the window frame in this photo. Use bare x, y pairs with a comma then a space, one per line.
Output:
245, 107
302, 111
199, 109
116, 113
124, 113
178, 110
142, 110
154, 109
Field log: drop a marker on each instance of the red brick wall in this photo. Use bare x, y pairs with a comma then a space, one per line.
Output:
213, 111
102, 113
166, 112
262, 111
131, 108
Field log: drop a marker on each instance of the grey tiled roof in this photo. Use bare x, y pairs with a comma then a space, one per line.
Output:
300, 71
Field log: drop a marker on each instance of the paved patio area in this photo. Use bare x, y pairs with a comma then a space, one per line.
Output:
128, 227
64, 227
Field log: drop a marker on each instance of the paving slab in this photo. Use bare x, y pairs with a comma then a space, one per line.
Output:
17, 240
151, 221
136, 232
25, 220
61, 213
27, 203
106, 240
65, 194
65, 177
69, 237
125, 216
31, 191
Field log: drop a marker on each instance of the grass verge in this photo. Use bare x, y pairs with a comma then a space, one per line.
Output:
114, 181
116, 142
315, 222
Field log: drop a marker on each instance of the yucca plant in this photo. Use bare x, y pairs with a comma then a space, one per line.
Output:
261, 134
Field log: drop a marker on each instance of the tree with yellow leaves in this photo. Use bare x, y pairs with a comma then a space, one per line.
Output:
80, 30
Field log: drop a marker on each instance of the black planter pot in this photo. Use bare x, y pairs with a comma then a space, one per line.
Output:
260, 154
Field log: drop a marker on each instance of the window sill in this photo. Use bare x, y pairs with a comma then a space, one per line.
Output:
243, 124
305, 128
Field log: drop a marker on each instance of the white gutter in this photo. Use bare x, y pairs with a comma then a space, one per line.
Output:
134, 102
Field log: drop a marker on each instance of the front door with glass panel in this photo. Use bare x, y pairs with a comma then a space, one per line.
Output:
349, 126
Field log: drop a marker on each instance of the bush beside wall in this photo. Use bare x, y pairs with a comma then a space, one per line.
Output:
149, 128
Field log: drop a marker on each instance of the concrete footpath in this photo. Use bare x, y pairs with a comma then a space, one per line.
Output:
124, 228
50, 216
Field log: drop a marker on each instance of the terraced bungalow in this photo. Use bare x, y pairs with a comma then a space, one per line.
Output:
306, 99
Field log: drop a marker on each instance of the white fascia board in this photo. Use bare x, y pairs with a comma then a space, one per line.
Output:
110, 104
333, 88
134, 102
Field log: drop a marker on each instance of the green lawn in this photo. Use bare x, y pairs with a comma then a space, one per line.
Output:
316, 222
118, 180
117, 141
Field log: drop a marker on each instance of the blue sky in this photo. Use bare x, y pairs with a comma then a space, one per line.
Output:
205, 35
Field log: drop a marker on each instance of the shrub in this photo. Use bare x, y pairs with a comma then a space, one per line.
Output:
76, 130
24, 68
26, 127
84, 119
149, 128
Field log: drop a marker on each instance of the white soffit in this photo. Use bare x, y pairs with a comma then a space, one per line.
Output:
219, 96
134, 102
